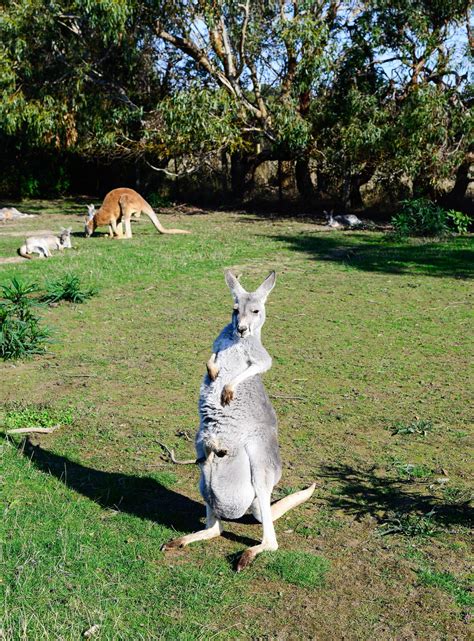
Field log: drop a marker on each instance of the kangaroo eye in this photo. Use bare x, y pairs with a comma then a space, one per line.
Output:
254, 311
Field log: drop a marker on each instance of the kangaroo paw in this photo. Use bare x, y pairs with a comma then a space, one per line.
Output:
212, 371
227, 395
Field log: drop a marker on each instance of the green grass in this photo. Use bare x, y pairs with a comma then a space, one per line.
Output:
364, 334
445, 581
299, 568
20, 415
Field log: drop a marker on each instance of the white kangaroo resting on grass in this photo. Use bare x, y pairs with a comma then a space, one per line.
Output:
343, 220
237, 441
43, 245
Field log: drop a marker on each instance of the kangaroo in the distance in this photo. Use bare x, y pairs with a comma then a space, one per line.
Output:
118, 207
343, 220
237, 441
43, 245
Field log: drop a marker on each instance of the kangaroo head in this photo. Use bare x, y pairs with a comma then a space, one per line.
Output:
89, 226
65, 237
249, 307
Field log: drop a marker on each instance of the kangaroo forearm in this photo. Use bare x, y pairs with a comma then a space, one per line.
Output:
212, 368
252, 370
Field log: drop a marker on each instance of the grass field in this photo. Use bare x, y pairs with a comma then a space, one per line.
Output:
371, 344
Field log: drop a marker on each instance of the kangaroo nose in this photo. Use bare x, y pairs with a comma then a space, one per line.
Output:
242, 328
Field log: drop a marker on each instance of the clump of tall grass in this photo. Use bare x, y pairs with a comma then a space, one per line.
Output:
21, 333
67, 288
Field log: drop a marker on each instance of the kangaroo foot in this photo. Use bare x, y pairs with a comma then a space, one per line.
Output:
248, 556
227, 395
246, 559
174, 544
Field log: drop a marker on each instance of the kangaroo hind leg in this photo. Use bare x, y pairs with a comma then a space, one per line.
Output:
127, 210
213, 529
264, 511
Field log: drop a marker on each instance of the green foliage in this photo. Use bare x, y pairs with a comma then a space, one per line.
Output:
67, 288
457, 495
420, 217
21, 334
459, 220
411, 470
293, 133
194, 121
419, 427
20, 415
459, 590
157, 200
410, 525
299, 568
287, 82
17, 298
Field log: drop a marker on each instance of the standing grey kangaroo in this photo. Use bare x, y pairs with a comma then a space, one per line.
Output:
237, 441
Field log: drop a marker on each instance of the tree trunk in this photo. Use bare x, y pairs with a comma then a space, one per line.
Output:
241, 174
242, 171
304, 183
456, 198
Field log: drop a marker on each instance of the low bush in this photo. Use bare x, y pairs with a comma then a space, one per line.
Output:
67, 288
21, 333
420, 217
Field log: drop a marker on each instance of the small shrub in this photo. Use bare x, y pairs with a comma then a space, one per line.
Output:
457, 496
21, 334
158, 200
299, 568
19, 415
67, 288
412, 525
420, 217
459, 221
17, 299
417, 428
411, 470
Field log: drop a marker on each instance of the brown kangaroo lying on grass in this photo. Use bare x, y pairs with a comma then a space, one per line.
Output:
118, 207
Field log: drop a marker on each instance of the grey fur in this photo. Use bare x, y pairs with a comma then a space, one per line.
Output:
237, 442
243, 434
343, 220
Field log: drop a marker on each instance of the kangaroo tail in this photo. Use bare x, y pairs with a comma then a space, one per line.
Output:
154, 219
289, 502
22, 251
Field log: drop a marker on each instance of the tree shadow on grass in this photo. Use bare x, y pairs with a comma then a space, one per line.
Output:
362, 492
451, 258
139, 496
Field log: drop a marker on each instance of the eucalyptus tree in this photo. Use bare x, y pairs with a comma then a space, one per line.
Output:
75, 76
361, 87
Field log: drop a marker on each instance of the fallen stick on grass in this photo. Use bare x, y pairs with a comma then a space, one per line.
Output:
173, 458
34, 430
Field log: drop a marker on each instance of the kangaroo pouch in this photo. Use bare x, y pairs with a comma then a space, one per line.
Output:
226, 484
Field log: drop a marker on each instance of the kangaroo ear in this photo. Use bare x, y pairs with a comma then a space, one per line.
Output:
267, 286
235, 287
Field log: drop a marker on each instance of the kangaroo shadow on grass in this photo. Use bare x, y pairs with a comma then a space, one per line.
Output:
139, 496
363, 492
368, 252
